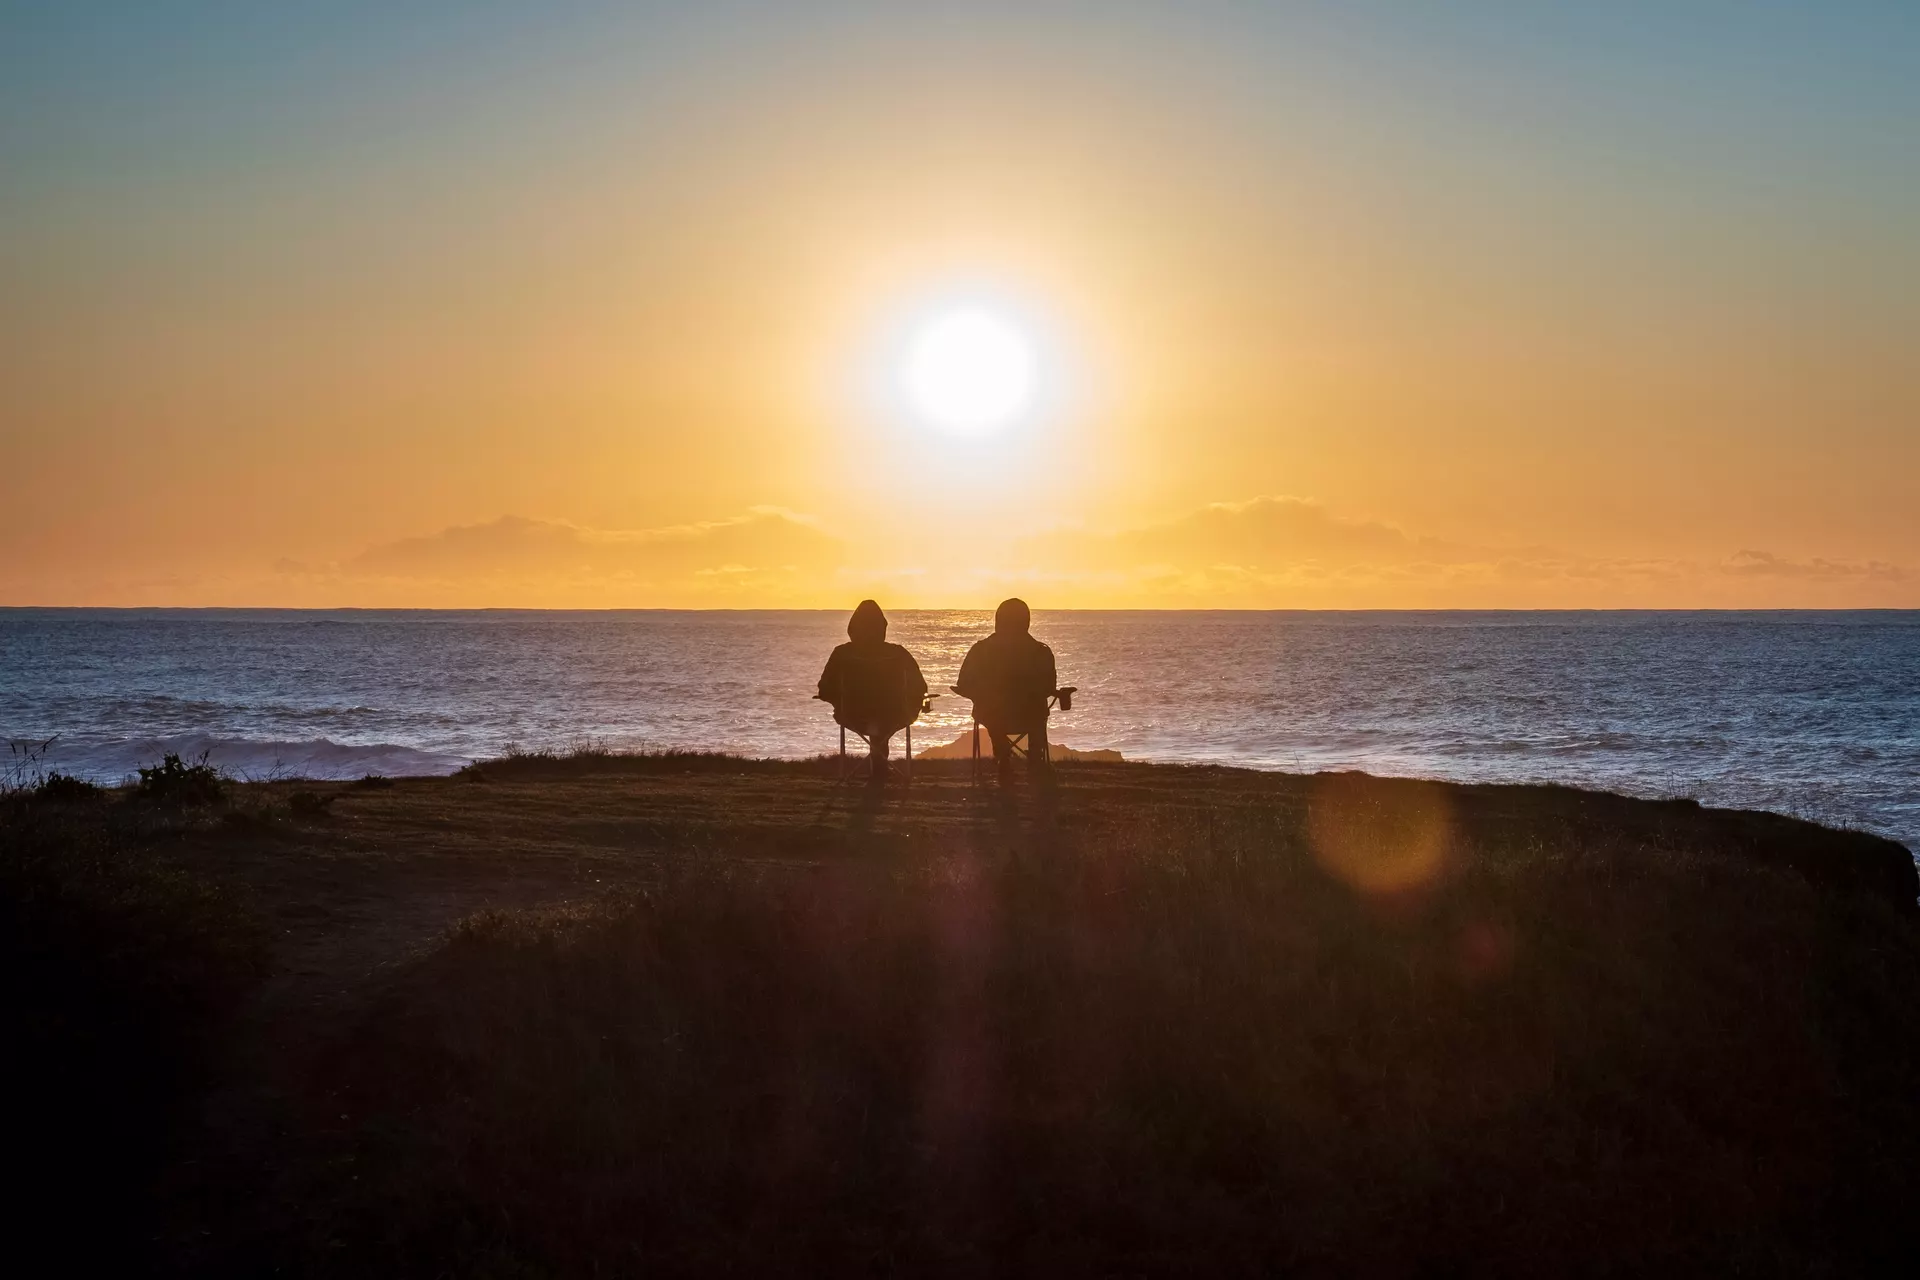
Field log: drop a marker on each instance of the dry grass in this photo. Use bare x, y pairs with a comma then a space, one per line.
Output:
120, 974
698, 1018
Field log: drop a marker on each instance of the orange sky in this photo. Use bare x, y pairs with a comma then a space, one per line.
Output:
584, 314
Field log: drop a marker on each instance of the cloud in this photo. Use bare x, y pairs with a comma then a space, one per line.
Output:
1271, 552
1262, 531
1280, 552
765, 554
765, 539
1765, 564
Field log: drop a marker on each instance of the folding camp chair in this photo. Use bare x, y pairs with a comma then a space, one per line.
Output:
904, 766
1018, 742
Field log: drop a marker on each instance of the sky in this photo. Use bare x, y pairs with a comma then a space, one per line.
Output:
1378, 304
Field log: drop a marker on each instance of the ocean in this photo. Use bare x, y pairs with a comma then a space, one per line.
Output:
1809, 713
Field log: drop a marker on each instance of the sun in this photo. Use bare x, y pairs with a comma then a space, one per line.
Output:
969, 371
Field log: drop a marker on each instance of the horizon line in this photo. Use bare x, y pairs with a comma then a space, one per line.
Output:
837, 609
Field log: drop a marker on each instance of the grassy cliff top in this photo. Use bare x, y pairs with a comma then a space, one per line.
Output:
689, 1013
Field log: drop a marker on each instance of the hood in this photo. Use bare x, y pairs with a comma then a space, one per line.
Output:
867, 625
1013, 616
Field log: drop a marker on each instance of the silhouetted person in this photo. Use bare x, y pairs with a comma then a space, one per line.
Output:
875, 688
1009, 678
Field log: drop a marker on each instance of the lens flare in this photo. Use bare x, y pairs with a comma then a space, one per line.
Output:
1380, 836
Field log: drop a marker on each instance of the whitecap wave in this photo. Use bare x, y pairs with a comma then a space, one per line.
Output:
251, 759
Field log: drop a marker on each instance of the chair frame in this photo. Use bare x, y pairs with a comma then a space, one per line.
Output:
903, 767
1018, 743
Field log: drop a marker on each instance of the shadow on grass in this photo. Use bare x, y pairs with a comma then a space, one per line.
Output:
1197, 1044
118, 975
1162, 1021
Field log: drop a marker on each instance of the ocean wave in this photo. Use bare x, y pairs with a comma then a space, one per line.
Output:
1772, 711
252, 758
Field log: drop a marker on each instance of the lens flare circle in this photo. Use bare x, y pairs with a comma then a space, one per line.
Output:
969, 371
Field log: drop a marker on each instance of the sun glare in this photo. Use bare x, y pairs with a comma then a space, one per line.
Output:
969, 371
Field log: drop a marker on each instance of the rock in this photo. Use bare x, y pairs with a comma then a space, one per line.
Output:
959, 749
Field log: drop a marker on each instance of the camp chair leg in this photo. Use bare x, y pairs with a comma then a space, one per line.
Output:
975, 739
904, 769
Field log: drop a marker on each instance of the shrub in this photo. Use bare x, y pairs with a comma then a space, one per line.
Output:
67, 789
175, 782
309, 804
25, 775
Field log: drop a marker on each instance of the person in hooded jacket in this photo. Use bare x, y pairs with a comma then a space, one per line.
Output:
875, 688
1009, 676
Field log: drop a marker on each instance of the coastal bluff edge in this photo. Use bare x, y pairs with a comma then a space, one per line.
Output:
585, 1013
